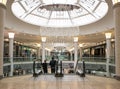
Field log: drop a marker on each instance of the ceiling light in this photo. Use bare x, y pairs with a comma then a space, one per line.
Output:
43, 39
115, 1
81, 45
108, 35
11, 35
3, 2
6, 40
38, 45
71, 49
47, 49
75, 39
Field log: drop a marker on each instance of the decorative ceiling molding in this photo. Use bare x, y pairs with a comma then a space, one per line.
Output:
60, 13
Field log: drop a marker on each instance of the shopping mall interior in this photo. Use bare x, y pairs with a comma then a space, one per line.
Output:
59, 44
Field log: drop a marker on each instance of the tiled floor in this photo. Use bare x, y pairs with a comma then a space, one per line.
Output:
66, 82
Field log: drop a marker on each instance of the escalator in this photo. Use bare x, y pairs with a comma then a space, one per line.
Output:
37, 68
60, 69
80, 68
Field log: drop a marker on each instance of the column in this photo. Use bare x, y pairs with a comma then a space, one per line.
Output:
49, 53
75, 51
38, 51
116, 14
2, 26
108, 52
71, 56
45, 53
43, 48
19, 48
81, 45
11, 41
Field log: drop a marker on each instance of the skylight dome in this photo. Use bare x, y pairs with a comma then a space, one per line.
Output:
59, 13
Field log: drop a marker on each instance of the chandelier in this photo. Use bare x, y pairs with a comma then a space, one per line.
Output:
59, 7
59, 13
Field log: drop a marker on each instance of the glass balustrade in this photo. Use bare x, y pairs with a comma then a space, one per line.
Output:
18, 59
94, 65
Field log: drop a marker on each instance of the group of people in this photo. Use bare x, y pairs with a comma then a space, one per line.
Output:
52, 65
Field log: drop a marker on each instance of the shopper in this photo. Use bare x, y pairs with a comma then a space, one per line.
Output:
45, 67
52, 65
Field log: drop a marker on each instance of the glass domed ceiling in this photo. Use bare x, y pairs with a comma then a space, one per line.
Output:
59, 13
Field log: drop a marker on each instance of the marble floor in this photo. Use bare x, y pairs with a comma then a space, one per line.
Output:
66, 82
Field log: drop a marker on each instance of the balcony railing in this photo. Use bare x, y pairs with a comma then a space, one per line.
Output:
87, 59
18, 59
24, 64
98, 59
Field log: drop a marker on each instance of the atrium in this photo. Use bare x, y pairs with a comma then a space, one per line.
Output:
82, 36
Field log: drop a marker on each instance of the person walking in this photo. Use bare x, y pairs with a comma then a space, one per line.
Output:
52, 65
45, 67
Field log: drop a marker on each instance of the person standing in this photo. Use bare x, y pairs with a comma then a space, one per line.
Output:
45, 67
52, 65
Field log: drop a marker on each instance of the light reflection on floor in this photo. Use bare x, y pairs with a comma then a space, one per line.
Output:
66, 82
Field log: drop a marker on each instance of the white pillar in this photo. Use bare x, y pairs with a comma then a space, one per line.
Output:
75, 53
81, 45
71, 56
19, 50
108, 52
43, 52
81, 53
2, 21
75, 50
11, 41
48, 53
38, 52
43, 48
116, 14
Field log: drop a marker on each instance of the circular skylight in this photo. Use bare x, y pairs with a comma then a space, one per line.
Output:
59, 13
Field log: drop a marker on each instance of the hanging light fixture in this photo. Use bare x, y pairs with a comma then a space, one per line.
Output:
81, 45
115, 1
3, 2
11, 35
38, 45
75, 39
43, 39
108, 35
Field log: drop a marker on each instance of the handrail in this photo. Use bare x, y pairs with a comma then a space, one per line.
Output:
94, 59
76, 65
86, 59
22, 61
